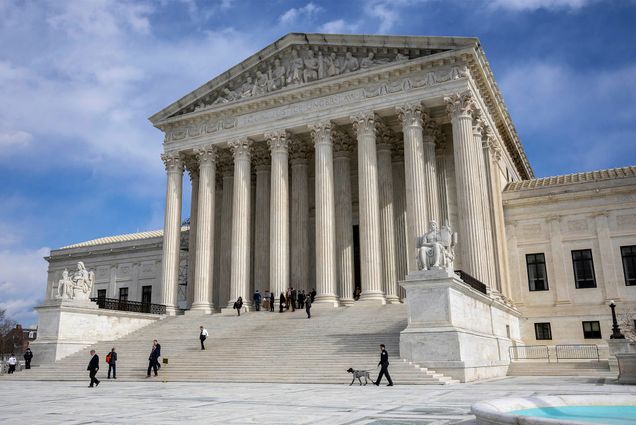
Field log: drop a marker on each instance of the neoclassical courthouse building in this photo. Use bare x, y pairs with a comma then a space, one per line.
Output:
319, 161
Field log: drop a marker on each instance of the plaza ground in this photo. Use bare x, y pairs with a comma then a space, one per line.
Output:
154, 402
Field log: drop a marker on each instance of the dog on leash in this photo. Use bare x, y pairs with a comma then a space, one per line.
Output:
358, 374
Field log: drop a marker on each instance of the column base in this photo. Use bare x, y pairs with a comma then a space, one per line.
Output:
345, 302
327, 300
375, 297
172, 310
393, 299
199, 309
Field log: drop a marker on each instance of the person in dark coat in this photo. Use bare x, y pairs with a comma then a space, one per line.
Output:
301, 299
111, 359
93, 367
281, 302
313, 295
294, 296
257, 300
308, 307
272, 298
384, 367
238, 305
28, 355
153, 359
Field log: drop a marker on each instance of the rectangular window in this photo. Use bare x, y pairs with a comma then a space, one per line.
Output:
592, 330
629, 264
146, 294
537, 276
101, 294
123, 294
583, 268
542, 331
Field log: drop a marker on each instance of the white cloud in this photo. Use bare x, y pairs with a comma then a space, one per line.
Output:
22, 282
339, 26
522, 5
386, 14
13, 140
293, 14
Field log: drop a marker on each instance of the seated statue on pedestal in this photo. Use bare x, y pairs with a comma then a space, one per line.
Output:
77, 287
436, 249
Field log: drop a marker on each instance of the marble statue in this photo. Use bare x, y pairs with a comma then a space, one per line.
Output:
332, 65
76, 287
295, 71
260, 86
247, 87
370, 61
310, 73
228, 96
276, 76
350, 63
436, 249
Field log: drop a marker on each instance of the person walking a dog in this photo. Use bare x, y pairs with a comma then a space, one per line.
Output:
384, 367
203, 336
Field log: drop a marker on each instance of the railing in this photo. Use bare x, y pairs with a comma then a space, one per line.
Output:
529, 352
132, 306
577, 351
471, 281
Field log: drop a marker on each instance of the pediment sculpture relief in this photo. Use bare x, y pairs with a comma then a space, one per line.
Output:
296, 67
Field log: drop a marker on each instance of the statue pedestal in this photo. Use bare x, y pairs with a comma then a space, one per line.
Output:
66, 326
456, 330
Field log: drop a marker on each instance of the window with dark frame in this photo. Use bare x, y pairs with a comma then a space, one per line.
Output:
592, 330
542, 331
123, 294
146, 294
537, 276
583, 268
101, 294
629, 264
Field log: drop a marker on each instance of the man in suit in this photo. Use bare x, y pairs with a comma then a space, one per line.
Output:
93, 367
153, 359
384, 367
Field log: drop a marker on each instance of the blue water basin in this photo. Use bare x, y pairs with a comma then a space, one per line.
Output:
606, 415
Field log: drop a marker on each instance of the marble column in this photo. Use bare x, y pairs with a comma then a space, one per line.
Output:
440, 169
240, 273
204, 263
343, 148
278, 142
415, 185
430, 132
192, 165
399, 214
471, 234
326, 271
225, 270
369, 202
299, 157
387, 240
479, 126
262, 164
171, 232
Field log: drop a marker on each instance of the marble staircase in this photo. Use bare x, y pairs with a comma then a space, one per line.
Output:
590, 368
258, 347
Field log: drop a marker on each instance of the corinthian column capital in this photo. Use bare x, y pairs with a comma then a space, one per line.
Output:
460, 104
278, 141
431, 129
321, 132
206, 155
241, 148
261, 158
173, 162
364, 122
191, 164
298, 150
342, 144
410, 114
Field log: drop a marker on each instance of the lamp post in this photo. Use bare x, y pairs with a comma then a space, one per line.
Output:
616, 330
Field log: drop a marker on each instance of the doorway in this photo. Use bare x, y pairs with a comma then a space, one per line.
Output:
357, 281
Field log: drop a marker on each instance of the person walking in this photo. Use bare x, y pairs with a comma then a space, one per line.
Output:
281, 302
384, 366
28, 355
93, 367
12, 362
301, 299
111, 359
313, 294
308, 307
203, 336
257, 300
238, 305
153, 359
272, 298
292, 299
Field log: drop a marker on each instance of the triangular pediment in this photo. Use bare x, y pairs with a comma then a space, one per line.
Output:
301, 59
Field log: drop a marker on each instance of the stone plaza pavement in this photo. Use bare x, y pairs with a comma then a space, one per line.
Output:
155, 402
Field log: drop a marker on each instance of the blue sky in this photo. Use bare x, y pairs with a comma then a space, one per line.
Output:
78, 79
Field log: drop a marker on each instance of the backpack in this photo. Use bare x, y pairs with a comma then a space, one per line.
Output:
108, 357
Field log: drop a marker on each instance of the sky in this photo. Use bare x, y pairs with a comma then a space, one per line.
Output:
78, 79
